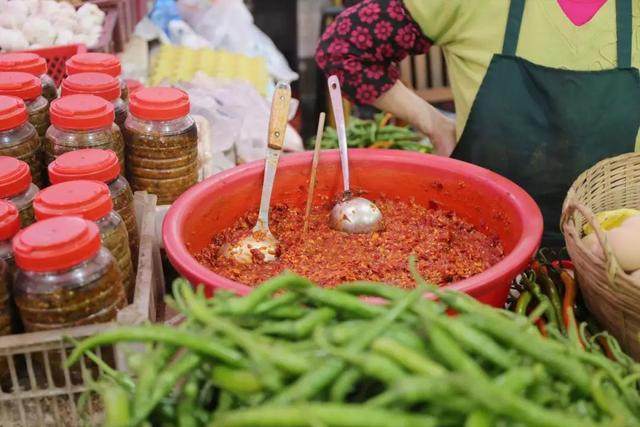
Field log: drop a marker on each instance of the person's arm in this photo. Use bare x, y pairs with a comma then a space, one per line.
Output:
363, 47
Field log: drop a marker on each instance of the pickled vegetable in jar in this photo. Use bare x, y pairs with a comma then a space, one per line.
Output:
98, 84
16, 187
18, 137
64, 276
9, 226
33, 64
96, 62
90, 200
162, 143
82, 121
29, 89
103, 166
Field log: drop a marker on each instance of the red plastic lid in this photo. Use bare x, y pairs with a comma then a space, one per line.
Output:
81, 112
94, 62
88, 163
88, 199
23, 61
159, 103
56, 244
13, 112
133, 85
9, 220
23, 85
99, 84
15, 177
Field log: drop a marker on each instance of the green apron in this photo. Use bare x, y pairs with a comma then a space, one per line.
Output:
541, 127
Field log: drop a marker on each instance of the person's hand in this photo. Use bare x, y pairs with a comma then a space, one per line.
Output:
441, 130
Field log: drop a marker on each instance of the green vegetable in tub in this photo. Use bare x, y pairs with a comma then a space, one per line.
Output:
336, 360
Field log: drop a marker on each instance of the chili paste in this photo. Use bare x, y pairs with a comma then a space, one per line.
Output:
447, 247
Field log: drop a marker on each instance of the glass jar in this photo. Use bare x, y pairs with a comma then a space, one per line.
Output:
133, 85
98, 84
103, 166
64, 276
29, 89
18, 137
162, 143
9, 226
90, 200
16, 186
33, 64
82, 121
96, 62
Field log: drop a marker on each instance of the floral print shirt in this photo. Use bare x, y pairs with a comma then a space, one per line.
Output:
364, 45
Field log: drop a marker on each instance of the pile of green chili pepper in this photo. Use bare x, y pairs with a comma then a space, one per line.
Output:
293, 354
377, 133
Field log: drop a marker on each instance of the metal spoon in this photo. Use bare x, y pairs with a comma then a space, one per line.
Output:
350, 214
261, 239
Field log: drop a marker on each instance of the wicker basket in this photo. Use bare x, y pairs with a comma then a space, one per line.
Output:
610, 294
39, 391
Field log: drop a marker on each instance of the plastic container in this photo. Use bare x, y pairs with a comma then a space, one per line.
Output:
162, 143
29, 89
56, 57
489, 201
33, 64
90, 200
18, 137
16, 186
133, 85
97, 62
99, 84
103, 166
82, 121
64, 276
9, 226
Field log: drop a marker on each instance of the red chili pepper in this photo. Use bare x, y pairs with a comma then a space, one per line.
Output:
607, 350
567, 305
542, 326
565, 263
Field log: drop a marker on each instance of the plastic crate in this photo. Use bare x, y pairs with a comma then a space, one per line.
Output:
40, 391
56, 57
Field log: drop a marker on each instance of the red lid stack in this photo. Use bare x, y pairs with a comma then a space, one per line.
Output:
13, 112
56, 244
25, 62
88, 199
9, 220
22, 85
15, 177
94, 62
98, 84
81, 112
89, 163
159, 103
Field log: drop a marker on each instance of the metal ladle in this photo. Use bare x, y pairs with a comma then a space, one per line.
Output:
260, 238
351, 214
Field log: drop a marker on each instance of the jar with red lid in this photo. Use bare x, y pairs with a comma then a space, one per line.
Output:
18, 137
97, 62
9, 226
82, 121
28, 88
162, 143
64, 276
133, 85
33, 64
99, 84
16, 187
90, 200
103, 166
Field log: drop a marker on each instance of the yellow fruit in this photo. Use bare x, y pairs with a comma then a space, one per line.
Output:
611, 219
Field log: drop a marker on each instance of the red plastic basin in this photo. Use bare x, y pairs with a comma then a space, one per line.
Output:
489, 201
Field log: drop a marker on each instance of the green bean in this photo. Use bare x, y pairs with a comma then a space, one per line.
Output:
286, 281
413, 390
278, 302
301, 328
371, 289
116, 406
344, 385
161, 334
452, 354
326, 414
187, 403
149, 371
240, 381
518, 379
608, 402
407, 357
523, 303
373, 365
343, 302
552, 318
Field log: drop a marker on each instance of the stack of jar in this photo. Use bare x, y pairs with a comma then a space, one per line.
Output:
82, 121
162, 143
95, 62
28, 88
90, 200
103, 166
16, 187
99, 84
33, 64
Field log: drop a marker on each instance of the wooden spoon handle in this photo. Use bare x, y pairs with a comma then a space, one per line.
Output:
279, 115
